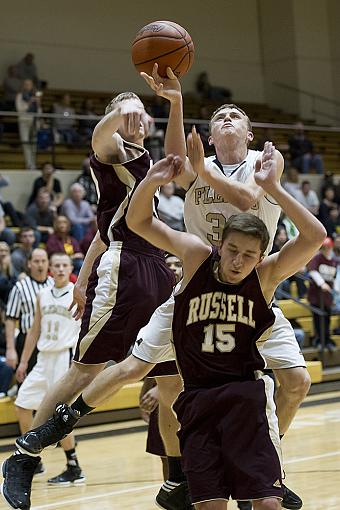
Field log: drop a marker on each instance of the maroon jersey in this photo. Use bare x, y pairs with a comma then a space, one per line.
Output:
216, 326
327, 269
115, 185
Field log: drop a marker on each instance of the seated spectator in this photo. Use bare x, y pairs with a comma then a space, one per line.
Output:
6, 372
327, 203
15, 216
28, 102
302, 153
61, 241
85, 179
171, 207
65, 127
40, 216
86, 126
6, 234
322, 270
8, 275
27, 70
307, 197
336, 248
207, 92
280, 239
49, 183
21, 255
78, 211
292, 183
12, 86
332, 223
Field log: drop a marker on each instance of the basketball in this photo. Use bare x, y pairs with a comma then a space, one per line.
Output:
166, 43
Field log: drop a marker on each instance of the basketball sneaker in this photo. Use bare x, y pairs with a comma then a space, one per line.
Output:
52, 431
18, 471
173, 496
290, 499
71, 475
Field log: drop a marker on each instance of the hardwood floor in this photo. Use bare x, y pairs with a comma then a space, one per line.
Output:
120, 475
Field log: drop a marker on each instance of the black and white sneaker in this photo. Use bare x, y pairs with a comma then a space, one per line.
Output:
71, 475
290, 500
174, 496
18, 471
52, 431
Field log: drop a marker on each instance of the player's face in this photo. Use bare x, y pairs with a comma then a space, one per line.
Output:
61, 269
228, 123
240, 254
175, 265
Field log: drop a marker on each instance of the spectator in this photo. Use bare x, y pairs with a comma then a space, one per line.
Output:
327, 203
85, 179
6, 372
170, 207
61, 241
332, 223
87, 240
27, 70
22, 254
206, 91
280, 239
86, 126
336, 248
49, 183
64, 125
16, 217
78, 211
302, 154
322, 270
40, 216
307, 197
292, 183
27, 102
298, 332
6, 234
8, 275
12, 86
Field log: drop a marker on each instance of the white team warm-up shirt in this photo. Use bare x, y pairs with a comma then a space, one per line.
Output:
206, 212
59, 330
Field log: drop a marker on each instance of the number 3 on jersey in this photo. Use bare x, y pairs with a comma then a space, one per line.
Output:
218, 222
218, 335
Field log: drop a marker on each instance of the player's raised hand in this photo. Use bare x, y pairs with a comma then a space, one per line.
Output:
265, 169
165, 170
133, 114
196, 152
79, 300
169, 88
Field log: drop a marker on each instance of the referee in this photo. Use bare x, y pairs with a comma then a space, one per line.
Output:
21, 306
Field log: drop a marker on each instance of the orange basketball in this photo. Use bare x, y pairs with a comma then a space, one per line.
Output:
166, 43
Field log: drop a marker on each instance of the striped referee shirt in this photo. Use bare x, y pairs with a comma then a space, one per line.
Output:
22, 300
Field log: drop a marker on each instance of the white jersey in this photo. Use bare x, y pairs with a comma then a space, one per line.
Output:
59, 330
206, 212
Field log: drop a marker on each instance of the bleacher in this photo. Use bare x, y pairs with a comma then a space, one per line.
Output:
63, 156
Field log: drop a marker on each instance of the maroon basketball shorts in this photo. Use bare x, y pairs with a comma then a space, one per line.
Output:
230, 441
124, 289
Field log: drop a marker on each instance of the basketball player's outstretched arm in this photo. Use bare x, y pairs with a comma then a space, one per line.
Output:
239, 194
298, 251
140, 219
31, 341
127, 114
174, 142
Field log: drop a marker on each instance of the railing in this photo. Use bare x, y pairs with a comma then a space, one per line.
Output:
314, 100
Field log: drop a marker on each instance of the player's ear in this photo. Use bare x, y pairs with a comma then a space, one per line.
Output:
259, 262
250, 136
210, 140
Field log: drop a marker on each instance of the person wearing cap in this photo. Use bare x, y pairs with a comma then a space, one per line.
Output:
322, 270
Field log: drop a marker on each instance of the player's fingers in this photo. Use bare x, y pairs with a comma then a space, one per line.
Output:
154, 73
170, 73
